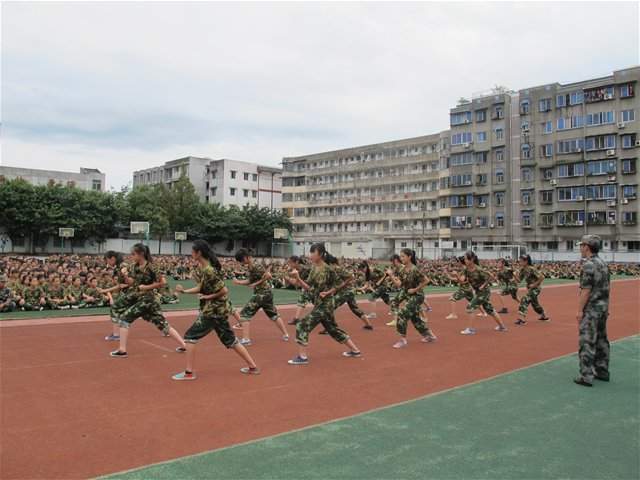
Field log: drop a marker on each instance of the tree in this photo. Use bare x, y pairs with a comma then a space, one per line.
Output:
183, 205
143, 207
19, 209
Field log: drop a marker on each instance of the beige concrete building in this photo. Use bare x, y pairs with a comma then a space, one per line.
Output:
538, 168
86, 179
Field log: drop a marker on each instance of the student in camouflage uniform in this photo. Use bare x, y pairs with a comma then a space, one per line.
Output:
33, 297
91, 296
143, 282
506, 277
57, 297
168, 296
593, 310
479, 279
214, 312
262, 298
533, 279
412, 283
322, 285
396, 271
296, 263
7, 302
375, 283
346, 292
74, 293
122, 297
464, 289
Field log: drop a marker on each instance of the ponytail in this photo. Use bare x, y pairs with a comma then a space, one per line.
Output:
205, 250
367, 272
243, 253
526, 258
411, 254
142, 249
472, 257
113, 254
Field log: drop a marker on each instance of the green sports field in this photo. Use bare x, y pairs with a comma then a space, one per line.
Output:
237, 294
504, 427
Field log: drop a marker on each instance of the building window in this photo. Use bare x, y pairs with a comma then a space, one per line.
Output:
246, 176
482, 136
599, 118
500, 220
545, 105
461, 159
460, 118
547, 127
96, 185
628, 115
571, 170
214, 191
460, 138
602, 167
629, 191
546, 220
255, 177
245, 193
481, 116
233, 173
499, 154
527, 174
627, 91
525, 151
628, 166
499, 133
630, 218
500, 199
498, 111
232, 192
524, 107
575, 145
628, 141
499, 176
546, 150
254, 194
571, 194
546, 197
481, 157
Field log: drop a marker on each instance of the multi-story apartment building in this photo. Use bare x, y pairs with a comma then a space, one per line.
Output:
227, 182
86, 179
579, 147
370, 200
539, 167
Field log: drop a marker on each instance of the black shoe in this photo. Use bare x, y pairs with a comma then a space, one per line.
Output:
118, 354
583, 382
544, 319
368, 327
323, 332
602, 378
293, 322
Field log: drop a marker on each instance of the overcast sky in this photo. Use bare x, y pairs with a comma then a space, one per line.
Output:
125, 86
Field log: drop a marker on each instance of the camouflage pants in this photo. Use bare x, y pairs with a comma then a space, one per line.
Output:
531, 297
87, 304
381, 292
121, 305
305, 298
320, 314
56, 306
31, 306
462, 292
205, 324
593, 351
510, 289
259, 301
481, 300
9, 307
411, 311
396, 301
149, 311
348, 296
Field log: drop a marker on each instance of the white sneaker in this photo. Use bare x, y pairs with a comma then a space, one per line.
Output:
285, 338
245, 341
451, 317
372, 315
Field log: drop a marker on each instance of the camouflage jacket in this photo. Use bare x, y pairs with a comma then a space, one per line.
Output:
529, 275
5, 294
57, 293
146, 275
376, 275
321, 280
505, 275
33, 296
212, 281
412, 277
256, 271
595, 275
476, 277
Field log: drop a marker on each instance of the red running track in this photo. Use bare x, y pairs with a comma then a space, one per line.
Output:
71, 411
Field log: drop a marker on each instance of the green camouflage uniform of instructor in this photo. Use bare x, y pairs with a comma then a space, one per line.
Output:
593, 310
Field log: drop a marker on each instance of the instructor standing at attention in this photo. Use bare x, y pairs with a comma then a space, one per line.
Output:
593, 310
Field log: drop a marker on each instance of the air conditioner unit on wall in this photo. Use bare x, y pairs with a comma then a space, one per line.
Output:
624, 201
553, 182
467, 145
579, 222
482, 205
611, 203
611, 152
579, 199
621, 124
